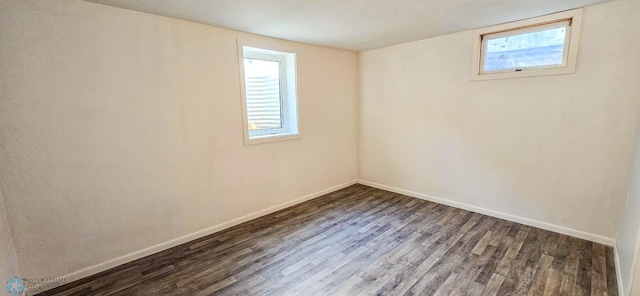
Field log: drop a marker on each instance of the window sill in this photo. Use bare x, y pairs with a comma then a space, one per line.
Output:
271, 138
528, 73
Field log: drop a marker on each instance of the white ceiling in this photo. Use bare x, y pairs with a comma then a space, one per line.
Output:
356, 25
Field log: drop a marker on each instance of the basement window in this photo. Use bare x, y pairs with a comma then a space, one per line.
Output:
269, 100
542, 46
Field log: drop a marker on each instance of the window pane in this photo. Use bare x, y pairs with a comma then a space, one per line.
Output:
262, 80
532, 49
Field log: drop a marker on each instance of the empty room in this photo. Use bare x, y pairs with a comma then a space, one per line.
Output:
321, 147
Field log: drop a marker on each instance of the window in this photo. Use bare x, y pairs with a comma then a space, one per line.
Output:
268, 79
542, 46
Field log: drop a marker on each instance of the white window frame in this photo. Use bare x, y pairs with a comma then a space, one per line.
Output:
571, 18
288, 92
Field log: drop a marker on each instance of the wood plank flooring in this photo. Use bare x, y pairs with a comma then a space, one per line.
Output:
365, 241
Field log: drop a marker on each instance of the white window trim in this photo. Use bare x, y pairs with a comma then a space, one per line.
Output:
291, 125
574, 16
558, 24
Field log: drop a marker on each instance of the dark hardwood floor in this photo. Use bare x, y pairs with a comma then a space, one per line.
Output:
366, 241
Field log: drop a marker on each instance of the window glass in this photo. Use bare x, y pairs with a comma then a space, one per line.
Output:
264, 102
525, 50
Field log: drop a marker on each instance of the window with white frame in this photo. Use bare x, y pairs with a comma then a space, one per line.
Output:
541, 46
269, 94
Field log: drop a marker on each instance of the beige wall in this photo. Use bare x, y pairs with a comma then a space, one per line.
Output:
627, 238
122, 130
554, 149
635, 290
8, 259
628, 234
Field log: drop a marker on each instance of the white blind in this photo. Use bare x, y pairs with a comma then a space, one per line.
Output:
262, 82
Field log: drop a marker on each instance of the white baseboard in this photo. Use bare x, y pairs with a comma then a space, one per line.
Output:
189, 237
513, 218
618, 271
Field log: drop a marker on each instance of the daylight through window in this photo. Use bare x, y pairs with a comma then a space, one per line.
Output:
545, 45
269, 94
540, 46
